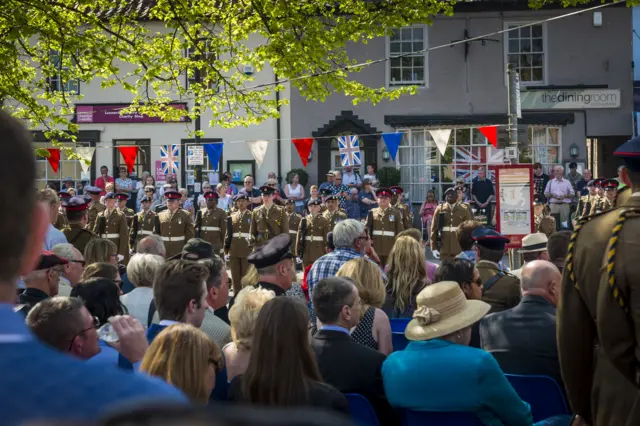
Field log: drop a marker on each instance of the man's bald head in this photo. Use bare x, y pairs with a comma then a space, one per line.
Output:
541, 278
152, 244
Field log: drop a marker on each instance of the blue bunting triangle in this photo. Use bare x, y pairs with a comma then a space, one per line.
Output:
214, 151
392, 140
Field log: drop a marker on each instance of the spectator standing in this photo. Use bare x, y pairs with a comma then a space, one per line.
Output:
483, 193
253, 194
313, 193
560, 193
540, 179
124, 184
289, 378
72, 270
192, 368
373, 328
523, 339
352, 204
371, 175
294, 191
581, 185
143, 192
224, 199
230, 188
407, 276
329, 183
102, 181
339, 189
558, 248
141, 271
101, 270
367, 197
534, 247
243, 315
217, 298
351, 178
42, 282
427, 209
206, 187
573, 176
54, 236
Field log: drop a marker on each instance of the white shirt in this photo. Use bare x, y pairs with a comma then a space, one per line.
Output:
137, 303
167, 323
351, 179
64, 287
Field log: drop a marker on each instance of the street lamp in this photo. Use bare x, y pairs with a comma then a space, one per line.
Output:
385, 154
574, 151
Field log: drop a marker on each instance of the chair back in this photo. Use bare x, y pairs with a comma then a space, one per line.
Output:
398, 339
542, 393
439, 418
362, 413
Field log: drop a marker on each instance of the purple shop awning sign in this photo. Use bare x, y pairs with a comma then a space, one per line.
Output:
110, 113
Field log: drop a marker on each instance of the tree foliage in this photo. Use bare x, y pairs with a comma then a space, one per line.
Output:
140, 46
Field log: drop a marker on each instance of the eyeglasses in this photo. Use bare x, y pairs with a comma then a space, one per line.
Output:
96, 324
365, 237
358, 302
81, 262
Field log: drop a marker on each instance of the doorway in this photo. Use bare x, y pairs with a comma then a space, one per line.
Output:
601, 157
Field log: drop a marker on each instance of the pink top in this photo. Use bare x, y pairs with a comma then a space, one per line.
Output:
100, 183
429, 209
557, 191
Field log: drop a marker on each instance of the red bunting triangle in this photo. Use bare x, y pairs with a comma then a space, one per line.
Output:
54, 158
303, 145
129, 154
491, 133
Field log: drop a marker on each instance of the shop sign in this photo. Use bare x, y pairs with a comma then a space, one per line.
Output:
570, 99
110, 113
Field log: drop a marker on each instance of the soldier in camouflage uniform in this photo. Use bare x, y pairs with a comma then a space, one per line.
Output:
76, 232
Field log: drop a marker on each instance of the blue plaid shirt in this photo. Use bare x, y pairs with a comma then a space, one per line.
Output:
339, 189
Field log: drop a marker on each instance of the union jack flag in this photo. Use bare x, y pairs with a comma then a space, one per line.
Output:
468, 160
169, 157
349, 151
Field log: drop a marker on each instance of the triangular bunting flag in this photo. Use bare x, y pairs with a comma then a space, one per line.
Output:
86, 154
129, 154
491, 133
441, 138
54, 158
258, 150
392, 141
303, 145
214, 151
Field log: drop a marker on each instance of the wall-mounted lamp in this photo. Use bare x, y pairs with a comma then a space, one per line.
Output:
310, 156
574, 151
597, 19
385, 154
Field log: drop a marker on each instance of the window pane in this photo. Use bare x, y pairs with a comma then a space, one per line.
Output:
536, 31
394, 48
525, 32
406, 34
526, 155
536, 45
546, 155
419, 75
525, 45
406, 61
539, 135
418, 33
395, 35
513, 34
514, 59
395, 62
406, 47
406, 75
463, 137
479, 138
537, 74
514, 46
554, 136
536, 60
418, 61
418, 46
525, 74
41, 169
396, 74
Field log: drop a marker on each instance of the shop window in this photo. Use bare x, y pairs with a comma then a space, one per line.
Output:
143, 160
69, 169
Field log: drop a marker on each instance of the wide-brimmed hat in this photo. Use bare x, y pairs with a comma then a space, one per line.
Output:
534, 242
443, 309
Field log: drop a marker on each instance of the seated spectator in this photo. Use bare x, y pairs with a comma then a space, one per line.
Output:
558, 247
186, 358
407, 276
243, 315
100, 250
343, 363
141, 272
523, 339
217, 298
417, 235
42, 282
284, 378
438, 371
534, 247
72, 270
465, 273
101, 297
373, 329
101, 270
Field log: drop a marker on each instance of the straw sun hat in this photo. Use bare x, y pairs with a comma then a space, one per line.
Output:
443, 309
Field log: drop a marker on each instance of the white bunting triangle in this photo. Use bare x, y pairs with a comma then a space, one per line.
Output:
258, 150
86, 154
441, 138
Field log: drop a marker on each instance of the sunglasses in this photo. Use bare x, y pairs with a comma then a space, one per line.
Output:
96, 324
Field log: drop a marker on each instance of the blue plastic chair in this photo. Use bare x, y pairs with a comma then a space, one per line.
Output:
542, 393
362, 413
438, 418
397, 333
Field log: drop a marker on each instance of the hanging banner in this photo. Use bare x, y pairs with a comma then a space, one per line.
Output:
392, 141
349, 151
161, 176
170, 157
129, 154
258, 150
54, 158
214, 151
491, 133
303, 145
86, 155
441, 139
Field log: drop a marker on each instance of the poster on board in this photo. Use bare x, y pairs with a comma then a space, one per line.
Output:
161, 177
514, 203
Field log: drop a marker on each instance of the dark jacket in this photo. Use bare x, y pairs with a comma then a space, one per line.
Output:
523, 339
352, 368
30, 298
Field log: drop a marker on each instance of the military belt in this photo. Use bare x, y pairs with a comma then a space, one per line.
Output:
385, 233
241, 235
210, 228
313, 238
173, 238
292, 231
110, 235
143, 232
449, 228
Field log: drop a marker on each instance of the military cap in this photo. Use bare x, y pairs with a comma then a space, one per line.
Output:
451, 189
610, 184
64, 195
267, 190
316, 202
75, 204
196, 249
240, 197
275, 250
92, 189
488, 238
598, 182
539, 199
109, 195
289, 201
146, 200
211, 194
49, 260
121, 196
383, 192
396, 190
332, 197
630, 153
325, 192
591, 183
172, 195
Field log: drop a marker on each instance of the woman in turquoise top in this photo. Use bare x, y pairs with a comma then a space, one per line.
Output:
438, 371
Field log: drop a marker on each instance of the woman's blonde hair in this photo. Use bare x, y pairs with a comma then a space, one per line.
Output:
244, 313
71, 191
99, 250
407, 270
368, 279
181, 355
251, 278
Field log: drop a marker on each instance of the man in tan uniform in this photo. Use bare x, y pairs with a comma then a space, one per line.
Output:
143, 224
211, 222
268, 220
383, 224
333, 213
294, 219
95, 207
76, 232
543, 222
312, 234
446, 218
608, 201
61, 221
585, 202
237, 245
596, 319
499, 289
398, 204
122, 206
111, 224
174, 224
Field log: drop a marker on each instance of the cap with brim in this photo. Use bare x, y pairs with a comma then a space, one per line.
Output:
267, 190
150, 188
68, 179
383, 192
630, 153
64, 195
49, 260
75, 204
109, 195
325, 192
289, 201
172, 195
146, 200
211, 194
240, 197
122, 196
610, 184
490, 239
332, 198
330, 173
598, 182
538, 200
591, 183
316, 202
397, 190
534, 242
275, 250
196, 249
442, 309
92, 190
452, 189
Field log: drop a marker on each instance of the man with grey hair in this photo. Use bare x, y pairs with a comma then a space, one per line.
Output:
72, 270
217, 298
559, 193
152, 244
523, 339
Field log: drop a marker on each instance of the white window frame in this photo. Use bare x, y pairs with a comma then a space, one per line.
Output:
545, 51
55, 82
208, 56
425, 45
